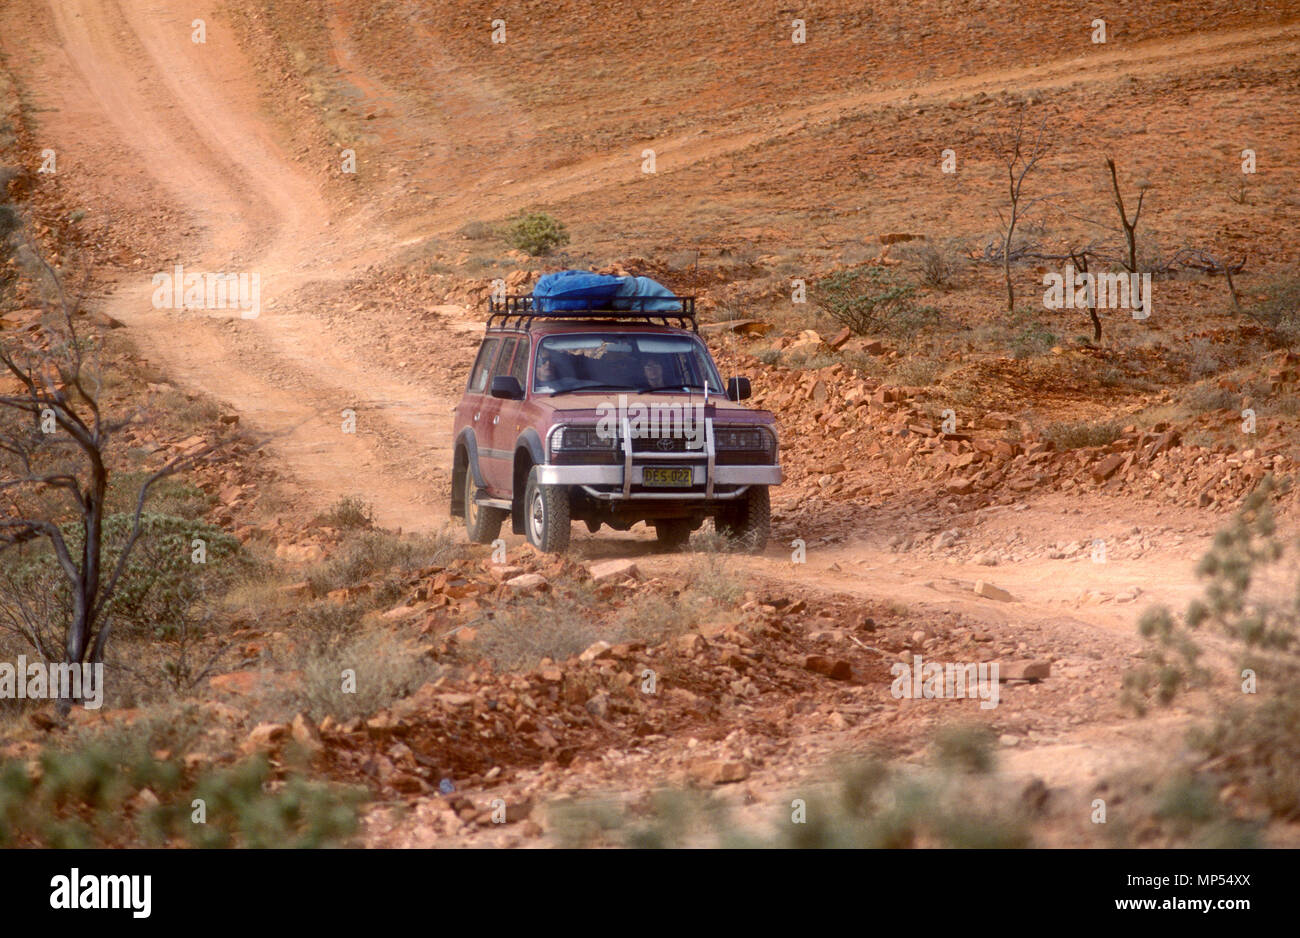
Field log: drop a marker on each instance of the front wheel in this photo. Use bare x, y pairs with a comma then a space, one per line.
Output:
546, 518
483, 525
747, 520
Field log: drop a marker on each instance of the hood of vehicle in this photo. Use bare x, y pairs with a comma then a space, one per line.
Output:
581, 407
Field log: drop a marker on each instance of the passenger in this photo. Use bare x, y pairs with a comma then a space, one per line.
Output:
654, 373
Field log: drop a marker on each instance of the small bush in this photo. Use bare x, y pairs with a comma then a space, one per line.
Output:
160, 585
1279, 312
714, 577
371, 555
325, 619
655, 618
173, 497
478, 231
869, 299
1068, 435
871, 806
383, 668
116, 791
1033, 341
939, 263
536, 233
1202, 398
966, 748
552, 626
1206, 359
347, 513
1243, 601
916, 372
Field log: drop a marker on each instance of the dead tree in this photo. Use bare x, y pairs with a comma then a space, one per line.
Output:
1020, 159
54, 470
1130, 227
1211, 264
1080, 261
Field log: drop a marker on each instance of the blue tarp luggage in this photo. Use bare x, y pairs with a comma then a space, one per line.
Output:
575, 289
582, 289
645, 295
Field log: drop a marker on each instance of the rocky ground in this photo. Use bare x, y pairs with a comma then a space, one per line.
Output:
976, 492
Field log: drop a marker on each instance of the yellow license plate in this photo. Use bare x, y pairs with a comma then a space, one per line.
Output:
667, 476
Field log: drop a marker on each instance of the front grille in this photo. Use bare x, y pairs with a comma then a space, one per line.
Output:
668, 444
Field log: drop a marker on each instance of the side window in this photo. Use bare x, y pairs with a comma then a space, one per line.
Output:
502, 366
479, 375
519, 371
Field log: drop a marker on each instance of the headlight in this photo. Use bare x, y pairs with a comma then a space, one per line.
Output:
741, 438
582, 439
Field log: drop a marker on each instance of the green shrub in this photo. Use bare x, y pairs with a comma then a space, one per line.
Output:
1256, 744
916, 372
114, 791
536, 233
869, 299
160, 583
1033, 341
173, 497
966, 748
870, 806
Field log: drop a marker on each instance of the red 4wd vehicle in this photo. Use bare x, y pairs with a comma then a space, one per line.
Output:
608, 417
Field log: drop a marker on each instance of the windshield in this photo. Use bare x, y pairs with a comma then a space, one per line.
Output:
623, 362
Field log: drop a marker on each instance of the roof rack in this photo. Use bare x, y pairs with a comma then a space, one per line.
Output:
523, 310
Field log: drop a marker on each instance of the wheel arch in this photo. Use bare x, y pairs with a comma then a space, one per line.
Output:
466, 456
529, 452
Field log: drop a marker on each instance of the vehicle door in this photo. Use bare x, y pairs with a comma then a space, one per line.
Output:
511, 413
469, 412
495, 446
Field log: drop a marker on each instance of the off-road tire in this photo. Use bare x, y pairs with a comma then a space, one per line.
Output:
482, 524
546, 515
673, 533
747, 520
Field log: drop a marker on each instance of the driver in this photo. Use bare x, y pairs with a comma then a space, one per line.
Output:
546, 376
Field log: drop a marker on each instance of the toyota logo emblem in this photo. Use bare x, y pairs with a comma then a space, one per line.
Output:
664, 443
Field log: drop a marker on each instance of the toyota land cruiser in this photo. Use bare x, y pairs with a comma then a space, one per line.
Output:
608, 417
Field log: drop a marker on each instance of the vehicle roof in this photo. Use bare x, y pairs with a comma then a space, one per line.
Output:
554, 326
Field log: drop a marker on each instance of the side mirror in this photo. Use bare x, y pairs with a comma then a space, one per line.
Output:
507, 386
738, 389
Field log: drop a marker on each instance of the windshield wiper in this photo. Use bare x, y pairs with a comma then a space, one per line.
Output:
592, 387
671, 387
